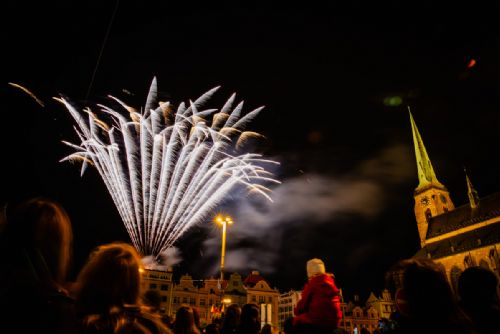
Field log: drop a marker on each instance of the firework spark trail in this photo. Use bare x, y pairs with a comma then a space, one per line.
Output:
166, 170
27, 91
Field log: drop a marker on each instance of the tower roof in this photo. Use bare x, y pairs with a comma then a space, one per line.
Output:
426, 175
464, 216
471, 192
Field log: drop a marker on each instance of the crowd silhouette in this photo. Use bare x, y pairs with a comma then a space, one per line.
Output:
36, 242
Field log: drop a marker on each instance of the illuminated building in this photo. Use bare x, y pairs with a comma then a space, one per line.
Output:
161, 282
455, 237
208, 297
234, 291
287, 302
384, 305
356, 316
259, 292
211, 296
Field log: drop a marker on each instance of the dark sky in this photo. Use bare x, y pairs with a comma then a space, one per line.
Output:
322, 71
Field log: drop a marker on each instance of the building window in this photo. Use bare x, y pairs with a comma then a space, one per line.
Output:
443, 199
428, 214
152, 286
262, 299
184, 300
163, 298
202, 301
176, 300
254, 299
192, 301
164, 287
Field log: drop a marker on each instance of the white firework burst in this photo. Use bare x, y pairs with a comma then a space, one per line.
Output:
165, 170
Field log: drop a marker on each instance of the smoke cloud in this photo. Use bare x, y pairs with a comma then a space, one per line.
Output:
311, 200
167, 259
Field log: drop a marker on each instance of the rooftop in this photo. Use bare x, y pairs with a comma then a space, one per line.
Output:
463, 216
484, 236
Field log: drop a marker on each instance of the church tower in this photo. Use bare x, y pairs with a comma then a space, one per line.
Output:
431, 197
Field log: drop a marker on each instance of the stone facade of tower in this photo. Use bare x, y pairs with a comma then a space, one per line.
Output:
430, 201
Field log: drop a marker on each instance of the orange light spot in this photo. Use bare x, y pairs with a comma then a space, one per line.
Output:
471, 63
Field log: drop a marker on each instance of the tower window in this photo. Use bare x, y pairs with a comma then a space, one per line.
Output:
428, 214
443, 198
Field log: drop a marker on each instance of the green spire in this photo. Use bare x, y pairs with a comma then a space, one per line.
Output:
471, 192
426, 175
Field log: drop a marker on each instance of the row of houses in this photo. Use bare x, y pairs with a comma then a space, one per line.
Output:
355, 315
211, 296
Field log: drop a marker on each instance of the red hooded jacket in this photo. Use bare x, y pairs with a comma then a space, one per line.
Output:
319, 304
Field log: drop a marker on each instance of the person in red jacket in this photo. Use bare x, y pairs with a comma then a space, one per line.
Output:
318, 310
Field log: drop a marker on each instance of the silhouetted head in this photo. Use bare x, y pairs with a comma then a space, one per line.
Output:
266, 329
42, 226
426, 289
152, 299
110, 278
212, 329
249, 319
426, 302
184, 321
477, 284
232, 316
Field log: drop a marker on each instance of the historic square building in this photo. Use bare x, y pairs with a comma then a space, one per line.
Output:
455, 237
210, 296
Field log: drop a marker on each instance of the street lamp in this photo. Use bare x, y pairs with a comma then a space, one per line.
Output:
223, 220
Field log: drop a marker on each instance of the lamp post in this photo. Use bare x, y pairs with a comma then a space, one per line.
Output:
223, 221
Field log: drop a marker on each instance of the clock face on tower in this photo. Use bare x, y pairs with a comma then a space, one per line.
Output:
424, 200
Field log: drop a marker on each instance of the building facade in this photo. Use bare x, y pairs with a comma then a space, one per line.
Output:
384, 304
286, 304
160, 282
234, 290
455, 237
259, 292
357, 317
211, 296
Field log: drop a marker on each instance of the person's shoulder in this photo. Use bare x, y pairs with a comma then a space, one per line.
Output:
322, 279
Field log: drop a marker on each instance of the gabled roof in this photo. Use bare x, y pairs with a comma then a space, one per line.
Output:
462, 216
253, 279
484, 236
371, 298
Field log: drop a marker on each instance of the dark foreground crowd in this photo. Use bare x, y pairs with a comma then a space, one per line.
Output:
35, 297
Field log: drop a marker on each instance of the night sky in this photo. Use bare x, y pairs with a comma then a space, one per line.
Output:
325, 73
